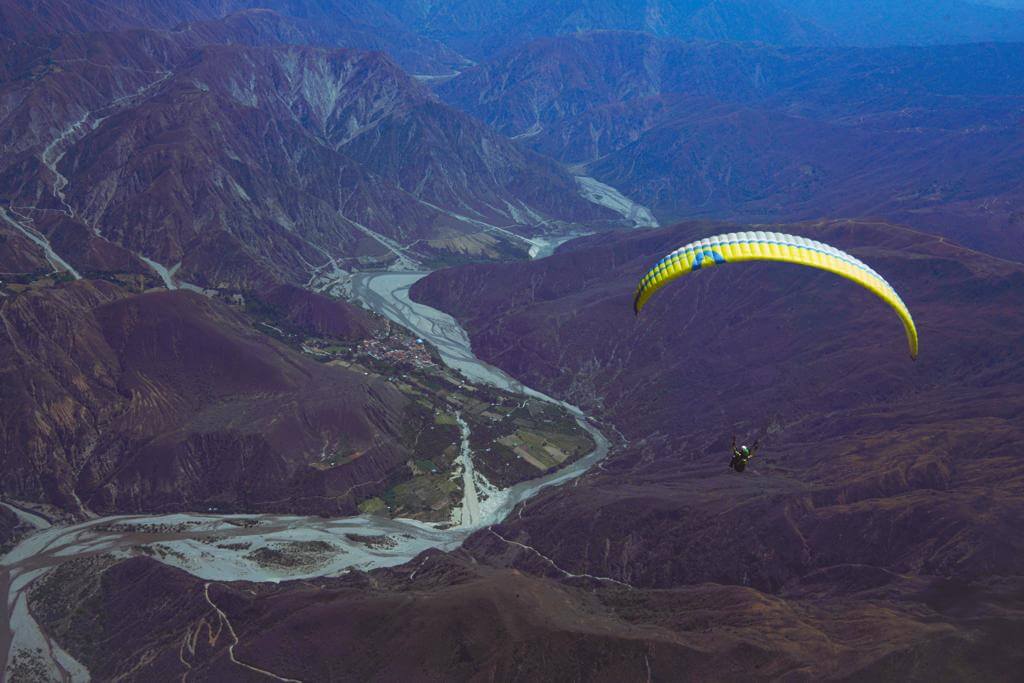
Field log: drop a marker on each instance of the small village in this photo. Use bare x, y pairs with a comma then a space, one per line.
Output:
398, 349
388, 347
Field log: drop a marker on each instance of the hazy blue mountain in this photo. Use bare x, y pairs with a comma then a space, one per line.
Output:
360, 24
479, 28
912, 22
928, 136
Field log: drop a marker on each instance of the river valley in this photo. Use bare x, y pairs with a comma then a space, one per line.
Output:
248, 547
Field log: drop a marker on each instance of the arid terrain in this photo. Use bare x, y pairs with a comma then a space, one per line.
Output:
318, 358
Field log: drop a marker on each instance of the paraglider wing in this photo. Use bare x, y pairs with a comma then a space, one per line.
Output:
737, 247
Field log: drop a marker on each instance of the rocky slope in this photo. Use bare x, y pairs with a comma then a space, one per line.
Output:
167, 401
873, 537
868, 458
251, 166
459, 618
550, 80
318, 315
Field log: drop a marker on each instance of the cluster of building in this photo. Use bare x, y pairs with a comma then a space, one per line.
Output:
397, 350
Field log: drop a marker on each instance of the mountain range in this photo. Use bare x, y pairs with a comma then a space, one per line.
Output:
190, 190
333, 23
872, 537
869, 464
482, 29
928, 137
277, 159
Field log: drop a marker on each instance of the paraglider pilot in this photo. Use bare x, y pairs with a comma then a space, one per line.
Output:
741, 455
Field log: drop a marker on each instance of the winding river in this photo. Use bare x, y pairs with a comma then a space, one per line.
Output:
216, 547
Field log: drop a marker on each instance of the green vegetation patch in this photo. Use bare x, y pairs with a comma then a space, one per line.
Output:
373, 506
426, 467
427, 497
445, 419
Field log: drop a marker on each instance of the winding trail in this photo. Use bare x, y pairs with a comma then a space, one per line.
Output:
554, 566
234, 636
197, 542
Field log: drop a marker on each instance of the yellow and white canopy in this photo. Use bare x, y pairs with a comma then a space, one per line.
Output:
736, 247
